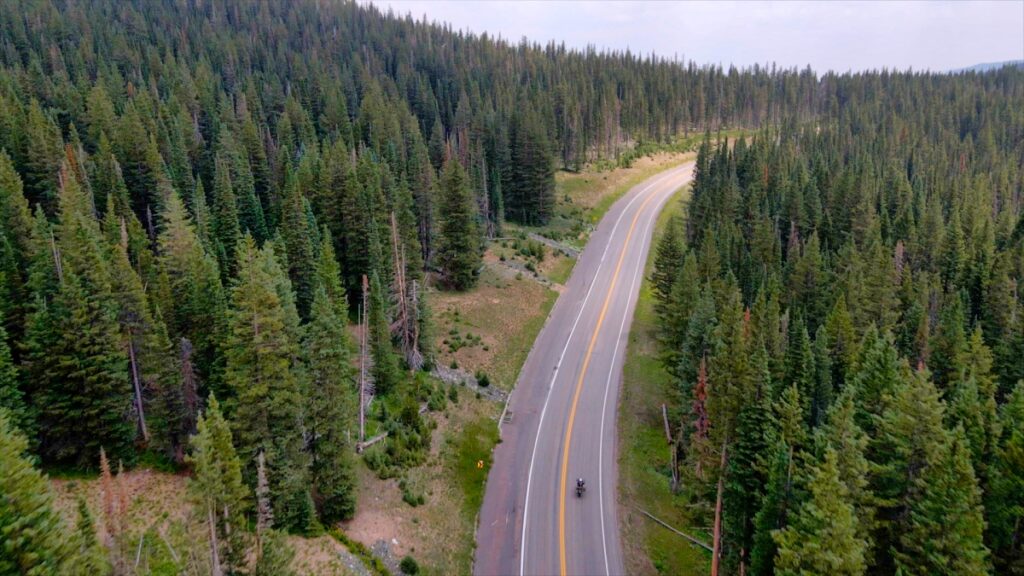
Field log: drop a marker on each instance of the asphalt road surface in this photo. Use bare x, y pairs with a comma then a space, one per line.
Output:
561, 418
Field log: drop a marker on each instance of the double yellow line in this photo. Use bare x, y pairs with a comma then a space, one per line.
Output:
579, 383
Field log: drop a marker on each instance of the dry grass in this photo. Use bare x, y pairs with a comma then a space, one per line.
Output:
589, 188
438, 534
497, 321
158, 504
322, 555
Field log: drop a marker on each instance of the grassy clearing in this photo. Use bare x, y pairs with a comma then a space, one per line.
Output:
492, 327
157, 522
582, 198
488, 330
644, 472
560, 269
471, 461
439, 532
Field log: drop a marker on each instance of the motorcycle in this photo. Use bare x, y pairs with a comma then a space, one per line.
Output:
580, 489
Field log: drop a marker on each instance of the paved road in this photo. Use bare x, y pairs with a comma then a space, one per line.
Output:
531, 522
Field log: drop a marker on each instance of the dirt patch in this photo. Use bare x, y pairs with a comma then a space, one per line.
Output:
437, 534
324, 555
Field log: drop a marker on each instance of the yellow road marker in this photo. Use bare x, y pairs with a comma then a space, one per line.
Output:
579, 384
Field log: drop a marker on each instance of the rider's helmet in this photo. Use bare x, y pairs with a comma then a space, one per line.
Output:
579, 481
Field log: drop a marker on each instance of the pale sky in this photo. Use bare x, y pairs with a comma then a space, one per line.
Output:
827, 35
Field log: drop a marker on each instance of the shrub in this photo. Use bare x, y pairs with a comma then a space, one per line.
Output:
409, 566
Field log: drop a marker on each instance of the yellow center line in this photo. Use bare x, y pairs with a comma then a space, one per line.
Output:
579, 384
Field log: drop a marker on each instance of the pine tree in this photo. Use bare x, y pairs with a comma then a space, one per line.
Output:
12, 399
299, 242
195, 299
875, 380
1004, 503
243, 185
668, 260
841, 433
219, 497
275, 557
746, 477
822, 536
948, 358
225, 228
108, 185
529, 188
329, 276
386, 374
332, 405
35, 538
91, 559
774, 511
151, 367
910, 437
458, 252
943, 533
76, 363
265, 377
42, 158
14, 210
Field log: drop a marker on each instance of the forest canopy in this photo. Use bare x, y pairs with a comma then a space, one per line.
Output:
197, 198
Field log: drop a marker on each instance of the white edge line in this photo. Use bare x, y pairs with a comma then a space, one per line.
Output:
615, 352
540, 422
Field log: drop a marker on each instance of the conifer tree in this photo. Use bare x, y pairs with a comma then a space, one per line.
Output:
774, 511
76, 363
329, 276
529, 188
299, 243
943, 533
264, 375
195, 299
875, 380
841, 433
219, 497
12, 399
668, 260
108, 185
910, 437
332, 405
35, 538
1004, 502
243, 186
747, 476
458, 251
225, 229
91, 557
822, 536
42, 158
14, 211
275, 557
386, 374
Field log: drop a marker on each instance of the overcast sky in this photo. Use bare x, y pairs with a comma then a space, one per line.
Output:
839, 36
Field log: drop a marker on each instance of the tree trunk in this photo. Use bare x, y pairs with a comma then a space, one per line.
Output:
215, 568
717, 542
138, 387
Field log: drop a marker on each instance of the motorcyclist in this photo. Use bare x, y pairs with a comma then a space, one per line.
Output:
580, 487
579, 482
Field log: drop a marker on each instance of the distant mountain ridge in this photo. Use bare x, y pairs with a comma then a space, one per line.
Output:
987, 66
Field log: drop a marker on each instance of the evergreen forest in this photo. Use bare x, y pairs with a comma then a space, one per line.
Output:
213, 213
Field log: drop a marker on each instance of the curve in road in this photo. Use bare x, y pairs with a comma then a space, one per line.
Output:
560, 420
